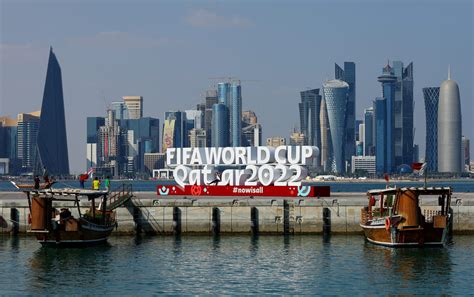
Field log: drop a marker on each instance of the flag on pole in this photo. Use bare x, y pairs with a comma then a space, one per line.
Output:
419, 168
90, 172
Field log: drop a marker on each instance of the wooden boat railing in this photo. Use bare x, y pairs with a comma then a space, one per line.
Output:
429, 214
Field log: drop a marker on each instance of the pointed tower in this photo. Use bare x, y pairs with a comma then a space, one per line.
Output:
449, 127
52, 140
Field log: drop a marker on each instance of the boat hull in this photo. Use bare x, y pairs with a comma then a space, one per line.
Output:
87, 235
413, 237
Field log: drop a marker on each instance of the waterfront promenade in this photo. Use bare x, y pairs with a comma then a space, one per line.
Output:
152, 214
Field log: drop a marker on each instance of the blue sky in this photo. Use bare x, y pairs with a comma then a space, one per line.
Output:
166, 51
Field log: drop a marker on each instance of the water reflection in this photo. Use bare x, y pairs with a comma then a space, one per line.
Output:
58, 267
410, 265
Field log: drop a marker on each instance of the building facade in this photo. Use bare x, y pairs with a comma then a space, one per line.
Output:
27, 140
431, 98
236, 114
197, 137
349, 76
335, 94
449, 128
220, 125
309, 110
52, 151
134, 106
369, 148
363, 165
381, 154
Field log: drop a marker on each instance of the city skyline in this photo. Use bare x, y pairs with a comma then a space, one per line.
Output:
88, 63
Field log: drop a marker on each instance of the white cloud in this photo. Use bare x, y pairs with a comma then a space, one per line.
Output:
207, 18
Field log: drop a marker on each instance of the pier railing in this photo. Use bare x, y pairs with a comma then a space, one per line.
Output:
119, 196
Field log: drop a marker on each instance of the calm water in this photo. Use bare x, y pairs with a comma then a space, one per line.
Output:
360, 186
235, 265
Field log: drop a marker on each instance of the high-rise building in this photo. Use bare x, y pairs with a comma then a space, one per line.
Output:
380, 136
449, 127
335, 94
431, 96
93, 125
27, 139
197, 138
466, 151
223, 93
8, 143
211, 99
360, 143
52, 150
154, 161
349, 76
180, 138
325, 138
309, 109
357, 130
120, 109
134, 106
195, 119
404, 133
369, 148
220, 125
235, 118
276, 141
389, 86
110, 152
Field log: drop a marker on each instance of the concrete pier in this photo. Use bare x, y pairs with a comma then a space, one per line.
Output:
152, 214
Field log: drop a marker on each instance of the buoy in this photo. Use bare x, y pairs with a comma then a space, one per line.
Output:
387, 224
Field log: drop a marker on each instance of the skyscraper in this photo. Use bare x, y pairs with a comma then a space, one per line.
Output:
309, 109
381, 126
431, 96
52, 139
335, 94
220, 125
325, 137
369, 148
349, 76
236, 114
93, 125
180, 138
120, 109
134, 106
27, 137
466, 155
211, 99
449, 127
403, 131
388, 80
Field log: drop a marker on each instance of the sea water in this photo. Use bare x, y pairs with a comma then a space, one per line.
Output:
235, 265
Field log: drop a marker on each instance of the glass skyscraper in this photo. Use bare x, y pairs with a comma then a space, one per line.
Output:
309, 109
52, 139
369, 149
335, 94
236, 114
349, 76
431, 96
220, 125
388, 80
403, 114
380, 111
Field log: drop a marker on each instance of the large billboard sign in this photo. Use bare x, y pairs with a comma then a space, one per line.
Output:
241, 166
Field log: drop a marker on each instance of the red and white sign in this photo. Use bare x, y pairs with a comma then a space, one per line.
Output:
263, 191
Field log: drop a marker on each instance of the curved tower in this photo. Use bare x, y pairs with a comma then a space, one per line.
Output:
335, 94
449, 127
220, 125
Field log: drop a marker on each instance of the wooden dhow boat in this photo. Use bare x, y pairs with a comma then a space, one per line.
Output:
53, 226
394, 217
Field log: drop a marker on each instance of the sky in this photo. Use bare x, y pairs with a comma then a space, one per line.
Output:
168, 51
